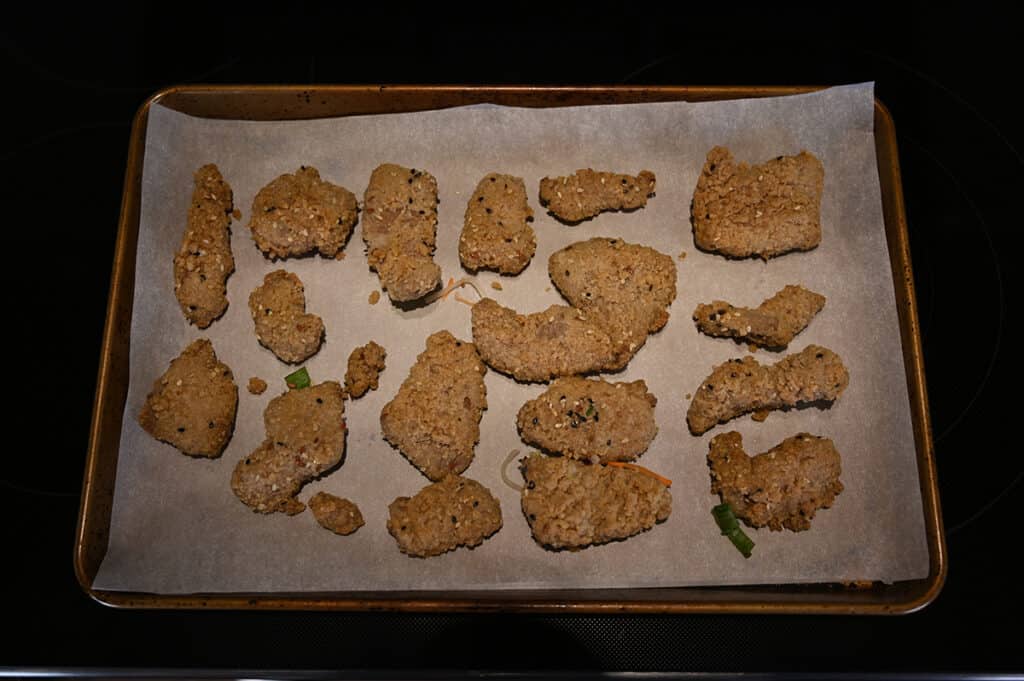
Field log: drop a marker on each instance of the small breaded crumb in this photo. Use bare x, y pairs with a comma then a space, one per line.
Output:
340, 255
374, 298
761, 415
336, 514
496, 285
257, 386
682, 255
236, 214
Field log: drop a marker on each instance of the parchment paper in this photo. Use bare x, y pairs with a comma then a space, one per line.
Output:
177, 527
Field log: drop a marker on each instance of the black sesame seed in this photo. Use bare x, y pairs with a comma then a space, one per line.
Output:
181, 429
319, 400
712, 167
531, 484
475, 503
247, 462
480, 198
533, 516
454, 520
535, 421
710, 387
820, 355
609, 443
489, 211
211, 424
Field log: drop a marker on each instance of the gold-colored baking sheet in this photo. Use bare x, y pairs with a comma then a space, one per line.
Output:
285, 103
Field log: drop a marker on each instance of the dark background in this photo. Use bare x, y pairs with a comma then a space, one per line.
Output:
73, 80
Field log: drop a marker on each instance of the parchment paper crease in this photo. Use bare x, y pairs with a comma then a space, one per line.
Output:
176, 526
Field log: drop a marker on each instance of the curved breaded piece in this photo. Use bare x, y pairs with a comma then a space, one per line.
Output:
434, 420
772, 324
443, 516
495, 235
763, 210
278, 308
590, 419
399, 228
193, 405
815, 374
336, 514
364, 366
305, 438
571, 505
298, 213
782, 487
588, 192
627, 288
204, 262
560, 341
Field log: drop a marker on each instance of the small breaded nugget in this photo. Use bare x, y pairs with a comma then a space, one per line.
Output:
193, 405
434, 420
495, 235
782, 487
443, 516
588, 192
815, 374
305, 438
338, 515
571, 505
772, 324
283, 326
299, 213
627, 288
364, 367
257, 386
560, 341
400, 230
204, 261
591, 419
762, 210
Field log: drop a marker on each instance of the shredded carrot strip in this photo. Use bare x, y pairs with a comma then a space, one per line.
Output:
640, 469
448, 289
463, 300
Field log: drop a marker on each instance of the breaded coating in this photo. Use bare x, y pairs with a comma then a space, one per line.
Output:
283, 326
400, 230
193, 405
588, 192
560, 341
782, 487
257, 386
336, 514
434, 420
772, 324
627, 288
305, 439
443, 516
591, 419
571, 505
299, 213
495, 235
364, 367
204, 261
815, 374
762, 210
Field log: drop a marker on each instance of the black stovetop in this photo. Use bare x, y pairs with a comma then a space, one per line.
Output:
74, 82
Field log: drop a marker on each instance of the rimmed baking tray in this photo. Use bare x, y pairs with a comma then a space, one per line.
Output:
298, 102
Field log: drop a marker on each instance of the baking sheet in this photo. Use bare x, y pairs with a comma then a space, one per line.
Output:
177, 528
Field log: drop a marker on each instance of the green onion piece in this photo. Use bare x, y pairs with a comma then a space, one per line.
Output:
742, 542
299, 379
590, 410
730, 527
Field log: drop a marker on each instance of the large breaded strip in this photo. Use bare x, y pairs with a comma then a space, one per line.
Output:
815, 374
763, 210
298, 213
434, 420
305, 438
588, 192
626, 288
782, 487
399, 228
572, 505
496, 235
560, 341
590, 419
772, 324
443, 516
278, 309
193, 405
204, 262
